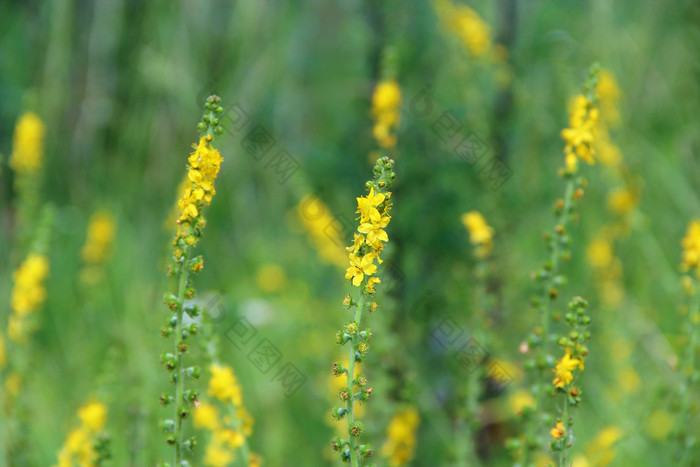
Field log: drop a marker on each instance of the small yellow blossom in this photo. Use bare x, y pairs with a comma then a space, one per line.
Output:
359, 267
375, 231
480, 234
468, 26
206, 416
223, 385
204, 166
386, 104
367, 206
621, 201
564, 368
521, 399
217, 456
558, 431
28, 146
27, 295
3, 353
401, 437
608, 93
93, 415
580, 135
691, 246
100, 235
323, 229
271, 278
599, 252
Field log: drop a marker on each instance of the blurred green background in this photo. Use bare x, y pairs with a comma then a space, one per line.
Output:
120, 86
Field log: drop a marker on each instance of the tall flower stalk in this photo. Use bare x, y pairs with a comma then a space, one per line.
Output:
579, 140
203, 167
366, 249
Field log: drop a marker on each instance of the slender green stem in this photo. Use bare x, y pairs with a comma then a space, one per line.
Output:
179, 372
351, 376
686, 400
554, 259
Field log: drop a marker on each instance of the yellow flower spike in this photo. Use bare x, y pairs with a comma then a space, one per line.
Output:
480, 234
691, 246
386, 104
401, 437
223, 385
28, 146
374, 216
93, 415
217, 456
100, 235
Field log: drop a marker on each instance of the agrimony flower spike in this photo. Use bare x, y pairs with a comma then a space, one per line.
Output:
202, 169
373, 210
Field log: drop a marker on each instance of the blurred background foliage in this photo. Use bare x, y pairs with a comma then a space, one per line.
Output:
120, 85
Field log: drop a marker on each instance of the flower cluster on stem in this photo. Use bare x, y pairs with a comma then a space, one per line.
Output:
366, 249
203, 167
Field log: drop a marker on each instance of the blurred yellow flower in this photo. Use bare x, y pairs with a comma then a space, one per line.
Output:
232, 438
206, 416
3, 353
323, 228
93, 415
100, 234
579, 137
386, 105
467, 25
659, 424
29, 291
628, 380
28, 145
599, 252
270, 278
691, 246
519, 400
480, 234
621, 201
217, 456
401, 437
608, 93
223, 384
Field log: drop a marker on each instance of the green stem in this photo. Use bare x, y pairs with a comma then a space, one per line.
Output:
554, 259
686, 400
180, 373
351, 377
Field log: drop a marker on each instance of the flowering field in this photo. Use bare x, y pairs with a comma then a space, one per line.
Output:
292, 234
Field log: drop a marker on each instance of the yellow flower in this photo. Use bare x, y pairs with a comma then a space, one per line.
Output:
558, 431
359, 267
691, 246
579, 137
223, 385
386, 103
367, 206
234, 439
599, 252
217, 456
93, 415
206, 416
271, 278
564, 368
254, 460
100, 235
371, 282
480, 234
608, 93
323, 228
659, 424
28, 146
29, 291
3, 353
401, 437
205, 163
468, 26
357, 243
374, 231
521, 399
621, 201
